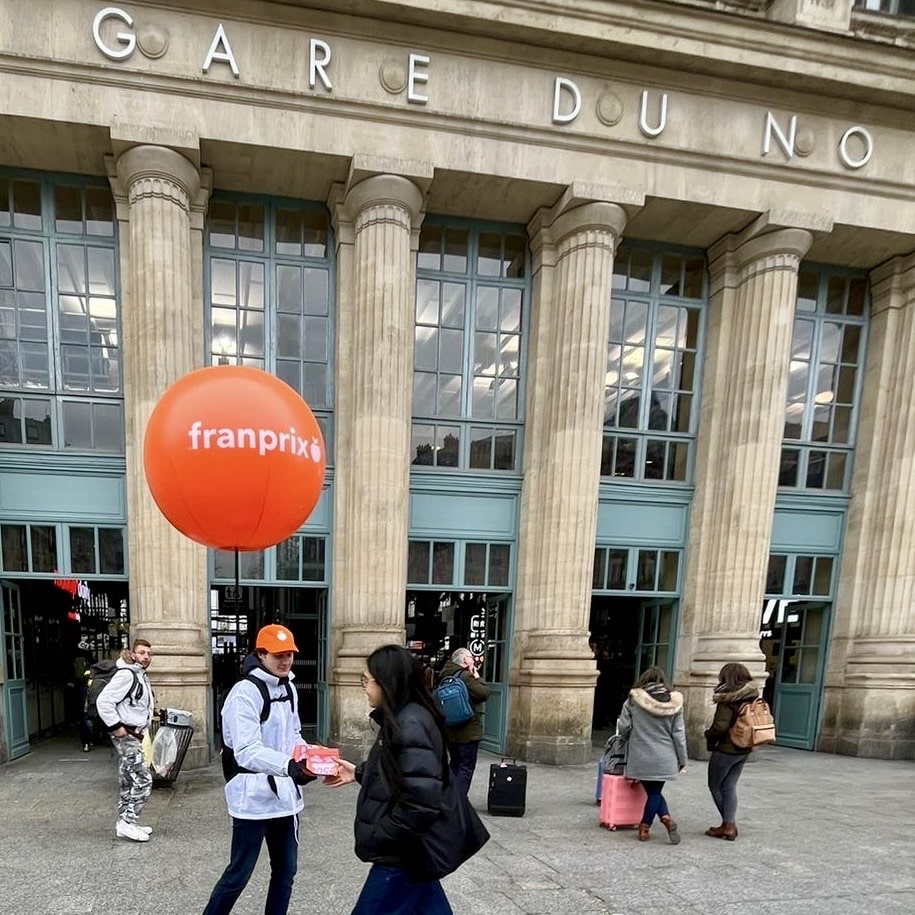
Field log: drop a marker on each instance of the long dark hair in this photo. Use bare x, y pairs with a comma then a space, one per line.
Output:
401, 679
732, 676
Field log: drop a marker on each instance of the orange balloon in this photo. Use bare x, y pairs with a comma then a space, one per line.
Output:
234, 458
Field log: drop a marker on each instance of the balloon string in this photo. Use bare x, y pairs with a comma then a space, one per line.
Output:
237, 590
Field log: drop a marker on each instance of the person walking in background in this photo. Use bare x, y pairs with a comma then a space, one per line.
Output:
125, 707
262, 775
402, 791
464, 739
735, 686
652, 722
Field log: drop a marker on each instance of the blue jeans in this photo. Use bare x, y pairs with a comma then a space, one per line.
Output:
463, 764
655, 805
390, 890
247, 836
723, 772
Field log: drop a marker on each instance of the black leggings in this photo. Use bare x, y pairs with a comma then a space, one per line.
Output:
655, 805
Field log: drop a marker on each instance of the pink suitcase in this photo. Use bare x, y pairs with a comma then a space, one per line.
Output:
622, 802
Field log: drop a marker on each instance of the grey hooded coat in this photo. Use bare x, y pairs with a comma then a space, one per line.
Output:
657, 739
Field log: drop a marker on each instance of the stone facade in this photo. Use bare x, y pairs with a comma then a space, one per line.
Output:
765, 135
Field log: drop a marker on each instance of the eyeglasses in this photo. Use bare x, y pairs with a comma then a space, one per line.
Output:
365, 679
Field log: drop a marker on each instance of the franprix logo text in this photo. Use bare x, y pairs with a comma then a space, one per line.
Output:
263, 441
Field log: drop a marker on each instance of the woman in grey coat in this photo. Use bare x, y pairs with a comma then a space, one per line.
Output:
652, 720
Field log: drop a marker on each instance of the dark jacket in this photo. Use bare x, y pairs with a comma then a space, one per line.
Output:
727, 705
478, 690
386, 827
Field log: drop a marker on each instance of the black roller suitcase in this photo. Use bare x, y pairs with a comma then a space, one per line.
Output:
507, 789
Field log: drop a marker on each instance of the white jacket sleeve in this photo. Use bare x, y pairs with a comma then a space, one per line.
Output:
243, 732
115, 691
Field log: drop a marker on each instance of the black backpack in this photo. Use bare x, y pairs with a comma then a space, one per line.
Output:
230, 766
100, 675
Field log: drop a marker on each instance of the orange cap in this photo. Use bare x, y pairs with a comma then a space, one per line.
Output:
276, 639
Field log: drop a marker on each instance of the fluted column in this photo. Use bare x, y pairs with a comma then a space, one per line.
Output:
553, 672
869, 700
751, 318
377, 226
160, 204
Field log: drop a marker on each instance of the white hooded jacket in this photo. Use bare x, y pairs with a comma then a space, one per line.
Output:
267, 791
123, 703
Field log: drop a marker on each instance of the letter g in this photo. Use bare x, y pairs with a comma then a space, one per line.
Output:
128, 39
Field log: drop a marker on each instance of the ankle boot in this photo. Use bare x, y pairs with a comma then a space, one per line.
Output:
673, 834
727, 831
644, 832
715, 831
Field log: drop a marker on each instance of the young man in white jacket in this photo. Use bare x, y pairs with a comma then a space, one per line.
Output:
125, 706
260, 732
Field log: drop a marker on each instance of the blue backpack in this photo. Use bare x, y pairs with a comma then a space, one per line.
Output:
454, 701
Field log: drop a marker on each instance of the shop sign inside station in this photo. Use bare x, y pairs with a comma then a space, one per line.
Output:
775, 614
114, 32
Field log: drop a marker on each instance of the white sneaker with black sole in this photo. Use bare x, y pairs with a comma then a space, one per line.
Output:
131, 831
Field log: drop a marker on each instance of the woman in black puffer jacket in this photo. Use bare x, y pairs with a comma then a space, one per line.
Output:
402, 787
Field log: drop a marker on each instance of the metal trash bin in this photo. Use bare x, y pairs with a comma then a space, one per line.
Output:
171, 735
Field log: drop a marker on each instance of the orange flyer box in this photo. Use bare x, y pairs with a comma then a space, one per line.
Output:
320, 760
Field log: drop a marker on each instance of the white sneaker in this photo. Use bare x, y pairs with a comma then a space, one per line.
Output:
146, 829
131, 831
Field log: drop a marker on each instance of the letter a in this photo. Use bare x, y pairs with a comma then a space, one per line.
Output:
226, 55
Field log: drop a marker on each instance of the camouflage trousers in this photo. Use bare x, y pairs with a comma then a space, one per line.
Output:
134, 778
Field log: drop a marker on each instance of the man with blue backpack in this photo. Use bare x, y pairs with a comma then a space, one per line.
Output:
462, 719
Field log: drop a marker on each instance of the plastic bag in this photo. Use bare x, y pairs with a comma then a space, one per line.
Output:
147, 749
164, 751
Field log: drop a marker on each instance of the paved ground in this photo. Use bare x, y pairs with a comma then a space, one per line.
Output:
818, 834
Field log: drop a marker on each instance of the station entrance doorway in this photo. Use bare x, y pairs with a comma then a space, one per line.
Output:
236, 614
628, 635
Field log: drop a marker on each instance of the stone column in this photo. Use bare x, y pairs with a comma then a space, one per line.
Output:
869, 699
553, 672
160, 203
751, 318
377, 229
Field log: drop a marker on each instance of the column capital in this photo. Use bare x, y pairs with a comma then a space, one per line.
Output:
347, 202
893, 284
155, 171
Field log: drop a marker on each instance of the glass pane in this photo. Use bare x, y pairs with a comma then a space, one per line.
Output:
289, 239
807, 285
835, 295
111, 550
424, 394
82, 550
475, 564
287, 557
250, 284
27, 205
775, 574
449, 395
857, 296
252, 565
6, 264
499, 555
288, 289
223, 564
453, 305
515, 250
836, 463
10, 418
108, 427
4, 202
640, 264
99, 212
68, 210
15, 555
313, 559
504, 450
668, 570
451, 350
221, 222
599, 573
788, 468
645, 576
456, 241
37, 416
822, 577
486, 316
481, 449
448, 446
694, 280
28, 265
442, 563
422, 440
483, 398
429, 255
418, 562
317, 291
489, 260
316, 238
289, 336
44, 548
77, 420
251, 229
807, 670
813, 626
427, 292
617, 564
803, 574
670, 274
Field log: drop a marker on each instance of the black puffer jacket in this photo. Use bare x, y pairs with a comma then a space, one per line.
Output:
387, 828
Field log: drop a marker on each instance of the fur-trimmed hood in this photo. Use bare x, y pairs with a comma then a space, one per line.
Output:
747, 691
644, 700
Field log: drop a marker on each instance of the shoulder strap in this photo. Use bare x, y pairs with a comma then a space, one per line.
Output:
264, 690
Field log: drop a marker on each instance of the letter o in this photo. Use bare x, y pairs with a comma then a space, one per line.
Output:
868, 141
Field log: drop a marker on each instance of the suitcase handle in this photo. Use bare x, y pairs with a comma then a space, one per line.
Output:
504, 764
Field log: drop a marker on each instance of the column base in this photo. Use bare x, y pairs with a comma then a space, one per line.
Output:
552, 699
871, 713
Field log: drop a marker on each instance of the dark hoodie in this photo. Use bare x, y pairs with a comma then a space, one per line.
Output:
727, 705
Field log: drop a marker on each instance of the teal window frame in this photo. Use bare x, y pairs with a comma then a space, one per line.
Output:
246, 257
63, 550
803, 453
453, 441
637, 450
637, 571
98, 292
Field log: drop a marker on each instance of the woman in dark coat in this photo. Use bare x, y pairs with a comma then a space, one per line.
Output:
735, 686
402, 787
